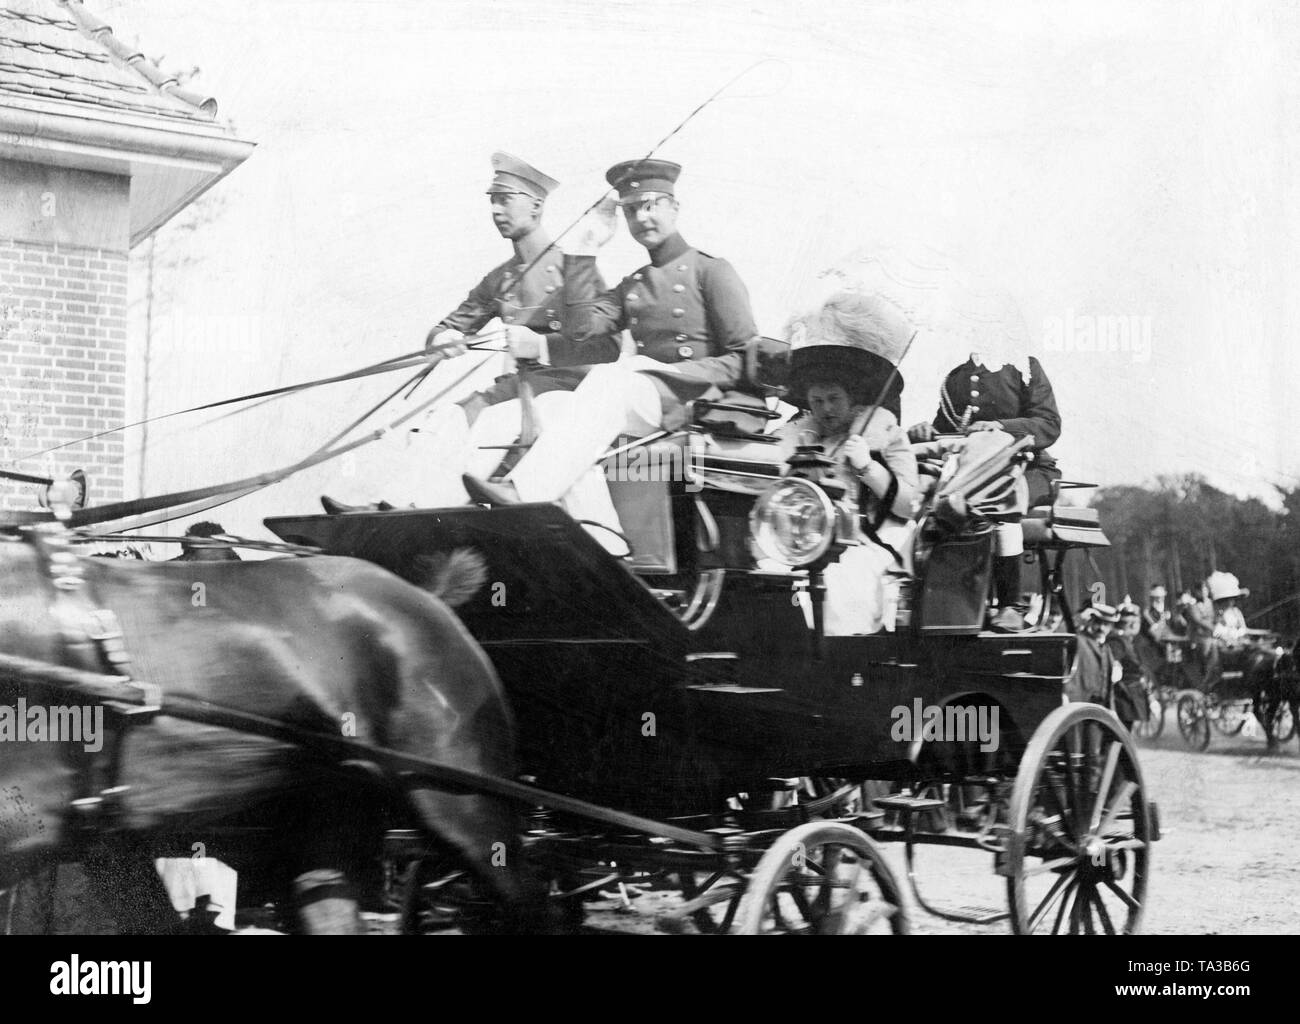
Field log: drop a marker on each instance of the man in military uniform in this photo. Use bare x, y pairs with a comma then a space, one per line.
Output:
1017, 398
687, 312
525, 294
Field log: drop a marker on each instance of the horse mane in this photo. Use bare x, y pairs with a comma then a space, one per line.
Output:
452, 576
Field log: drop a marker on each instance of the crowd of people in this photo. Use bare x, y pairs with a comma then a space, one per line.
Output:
1119, 646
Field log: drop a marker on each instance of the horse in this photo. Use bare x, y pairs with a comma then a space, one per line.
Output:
1275, 677
328, 645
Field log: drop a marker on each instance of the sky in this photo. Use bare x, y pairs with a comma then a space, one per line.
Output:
1105, 165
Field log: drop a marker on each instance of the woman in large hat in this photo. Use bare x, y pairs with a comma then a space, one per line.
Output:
841, 360
1229, 622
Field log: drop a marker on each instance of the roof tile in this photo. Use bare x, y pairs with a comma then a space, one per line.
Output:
57, 49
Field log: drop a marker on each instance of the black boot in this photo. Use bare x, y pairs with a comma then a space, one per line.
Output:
1006, 585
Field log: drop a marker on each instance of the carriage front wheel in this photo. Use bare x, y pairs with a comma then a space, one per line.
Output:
1078, 852
823, 878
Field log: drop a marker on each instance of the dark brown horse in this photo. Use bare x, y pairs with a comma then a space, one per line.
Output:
1275, 675
330, 645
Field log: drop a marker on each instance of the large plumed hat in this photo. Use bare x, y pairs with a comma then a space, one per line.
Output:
853, 339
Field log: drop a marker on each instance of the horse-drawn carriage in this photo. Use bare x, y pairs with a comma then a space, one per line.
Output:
1216, 688
680, 715
694, 685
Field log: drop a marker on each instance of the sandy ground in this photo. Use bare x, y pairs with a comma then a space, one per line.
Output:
1228, 862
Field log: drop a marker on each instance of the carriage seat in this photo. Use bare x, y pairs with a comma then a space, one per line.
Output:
693, 494
1058, 526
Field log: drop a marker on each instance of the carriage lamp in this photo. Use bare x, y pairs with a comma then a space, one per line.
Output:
795, 522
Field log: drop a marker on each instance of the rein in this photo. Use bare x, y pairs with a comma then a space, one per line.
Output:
229, 491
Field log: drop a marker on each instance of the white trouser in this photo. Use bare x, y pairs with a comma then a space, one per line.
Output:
580, 426
587, 498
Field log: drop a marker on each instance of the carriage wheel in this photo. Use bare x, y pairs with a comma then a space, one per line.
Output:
1078, 854
714, 918
1229, 718
1193, 725
823, 878
1283, 723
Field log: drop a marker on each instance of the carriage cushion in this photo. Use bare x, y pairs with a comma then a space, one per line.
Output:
1057, 525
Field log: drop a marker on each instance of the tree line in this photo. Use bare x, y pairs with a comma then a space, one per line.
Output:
1182, 529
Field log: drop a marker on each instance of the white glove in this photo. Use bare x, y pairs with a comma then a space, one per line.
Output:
450, 338
858, 451
525, 343
594, 230
521, 342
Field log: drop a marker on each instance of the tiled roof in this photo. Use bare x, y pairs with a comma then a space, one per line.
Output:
57, 50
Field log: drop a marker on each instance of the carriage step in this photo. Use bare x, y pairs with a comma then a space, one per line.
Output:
983, 780
909, 803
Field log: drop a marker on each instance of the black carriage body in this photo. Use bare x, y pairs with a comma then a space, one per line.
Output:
617, 702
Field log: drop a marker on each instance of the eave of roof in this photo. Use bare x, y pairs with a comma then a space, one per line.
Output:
74, 95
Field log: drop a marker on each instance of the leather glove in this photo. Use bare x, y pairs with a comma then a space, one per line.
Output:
450, 338
594, 230
920, 433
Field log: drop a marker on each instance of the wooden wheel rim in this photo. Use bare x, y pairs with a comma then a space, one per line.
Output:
803, 871
1089, 868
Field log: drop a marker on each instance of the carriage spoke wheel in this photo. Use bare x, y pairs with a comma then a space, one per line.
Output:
1193, 723
1077, 859
823, 878
1229, 717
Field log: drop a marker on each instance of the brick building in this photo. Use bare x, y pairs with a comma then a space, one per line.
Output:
98, 149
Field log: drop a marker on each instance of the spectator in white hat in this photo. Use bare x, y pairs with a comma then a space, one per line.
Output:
1229, 623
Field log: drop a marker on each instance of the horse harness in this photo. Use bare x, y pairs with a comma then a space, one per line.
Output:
93, 643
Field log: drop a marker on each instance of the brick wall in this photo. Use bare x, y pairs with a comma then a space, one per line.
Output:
62, 363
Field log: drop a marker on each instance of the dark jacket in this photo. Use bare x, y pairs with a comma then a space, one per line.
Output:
534, 300
684, 306
1004, 397
1089, 679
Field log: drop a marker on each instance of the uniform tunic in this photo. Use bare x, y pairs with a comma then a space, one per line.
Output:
683, 307
533, 300
1003, 396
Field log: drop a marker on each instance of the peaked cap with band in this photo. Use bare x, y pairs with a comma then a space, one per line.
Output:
512, 175
640, 180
